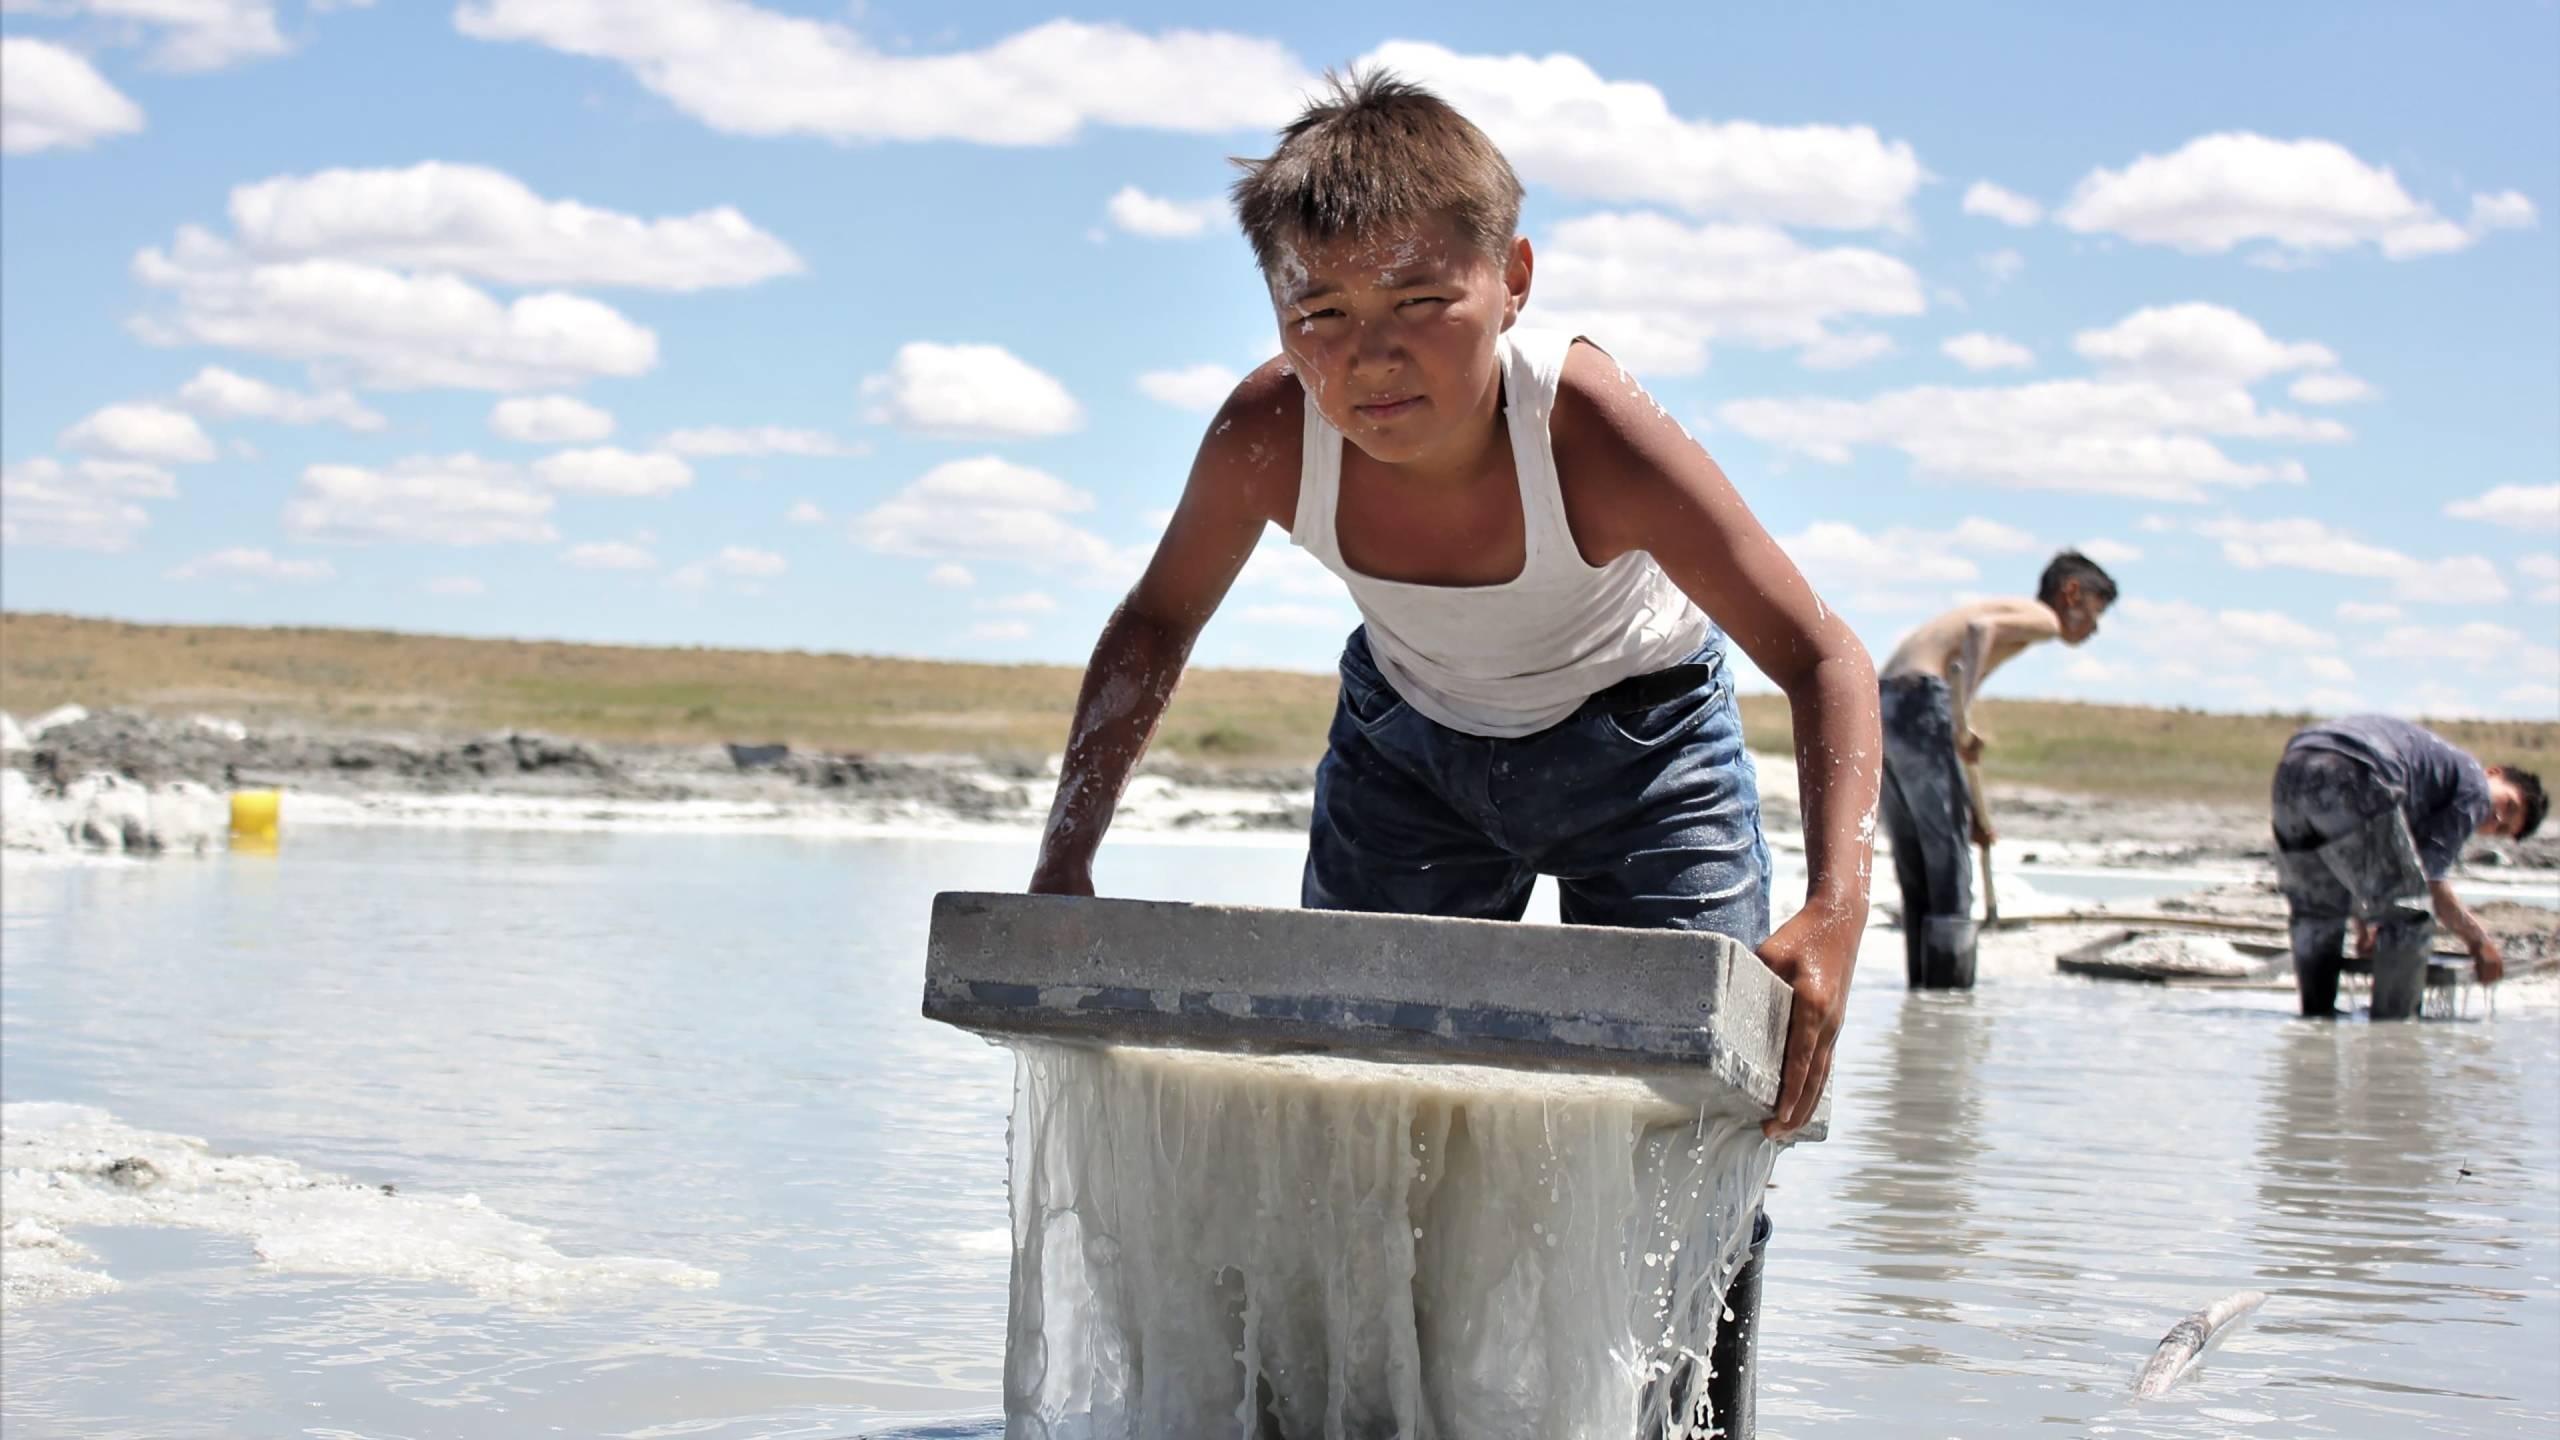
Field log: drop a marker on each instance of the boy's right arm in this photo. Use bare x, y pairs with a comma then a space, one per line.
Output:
1245, 476
1996, 631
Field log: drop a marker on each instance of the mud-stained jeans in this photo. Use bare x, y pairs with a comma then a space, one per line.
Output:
1927, 814
2343, 851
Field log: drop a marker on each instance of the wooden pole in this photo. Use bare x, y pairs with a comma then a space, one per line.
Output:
1982, 823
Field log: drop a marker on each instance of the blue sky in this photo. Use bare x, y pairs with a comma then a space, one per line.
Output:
862, 328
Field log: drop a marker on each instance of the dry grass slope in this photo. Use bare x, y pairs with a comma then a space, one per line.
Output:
381, 680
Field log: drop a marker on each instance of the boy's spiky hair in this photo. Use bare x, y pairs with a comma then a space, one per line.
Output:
1376, 149
2071, 565
2537, 804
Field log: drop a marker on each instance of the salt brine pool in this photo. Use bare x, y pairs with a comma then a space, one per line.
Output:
670, 1153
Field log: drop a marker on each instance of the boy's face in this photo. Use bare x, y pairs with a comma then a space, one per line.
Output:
2079, 614
1392, 333
2506, 807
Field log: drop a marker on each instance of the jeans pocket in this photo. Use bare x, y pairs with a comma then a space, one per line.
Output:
1656, 724
1368, 701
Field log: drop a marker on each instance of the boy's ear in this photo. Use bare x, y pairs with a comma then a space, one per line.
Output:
1515, 279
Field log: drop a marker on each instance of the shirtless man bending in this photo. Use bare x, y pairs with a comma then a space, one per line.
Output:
1928, 688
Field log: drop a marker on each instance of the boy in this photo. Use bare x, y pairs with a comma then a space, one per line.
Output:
2370, 812
1542, 558
1930, 745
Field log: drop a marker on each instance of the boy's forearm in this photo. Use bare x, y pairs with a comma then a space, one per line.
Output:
1127, 686
1966, 682
1838, 745
2452, 913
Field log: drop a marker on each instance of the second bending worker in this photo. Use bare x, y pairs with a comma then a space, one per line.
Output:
1928, 688
2370, 814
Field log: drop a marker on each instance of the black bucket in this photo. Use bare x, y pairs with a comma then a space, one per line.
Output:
1737, 1352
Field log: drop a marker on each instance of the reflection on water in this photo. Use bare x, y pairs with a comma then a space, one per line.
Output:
1912, 1192
706, 1050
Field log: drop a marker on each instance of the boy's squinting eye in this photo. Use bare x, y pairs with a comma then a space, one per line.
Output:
1423, 300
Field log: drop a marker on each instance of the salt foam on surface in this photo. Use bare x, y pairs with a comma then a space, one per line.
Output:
103, 812
1363, 1249
72, 1165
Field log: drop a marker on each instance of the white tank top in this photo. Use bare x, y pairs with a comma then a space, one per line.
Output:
1511, 659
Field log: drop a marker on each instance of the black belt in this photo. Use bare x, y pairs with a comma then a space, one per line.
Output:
1660, 687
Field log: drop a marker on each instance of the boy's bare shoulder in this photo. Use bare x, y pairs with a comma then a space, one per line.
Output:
1256, 437
1616, 451
1600, 411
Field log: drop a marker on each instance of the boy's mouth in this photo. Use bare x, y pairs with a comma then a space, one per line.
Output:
1376, 410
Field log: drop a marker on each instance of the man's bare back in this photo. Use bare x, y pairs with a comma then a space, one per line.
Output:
1997, 629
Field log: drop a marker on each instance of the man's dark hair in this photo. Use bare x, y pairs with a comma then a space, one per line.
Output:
2071, 565
1376, 150
2536, 803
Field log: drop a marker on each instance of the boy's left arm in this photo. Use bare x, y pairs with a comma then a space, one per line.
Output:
1654, 489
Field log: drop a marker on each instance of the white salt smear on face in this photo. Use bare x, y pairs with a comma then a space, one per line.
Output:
70, 1165
1439, 1252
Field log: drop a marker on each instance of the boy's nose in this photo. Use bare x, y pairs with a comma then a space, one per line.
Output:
1376, 348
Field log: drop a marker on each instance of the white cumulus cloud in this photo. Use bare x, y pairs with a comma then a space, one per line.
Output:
456, 587
191, 35
2006, 206
550, 420
1194, 387
608, 555
229, 395
1976, 350
2197, 341
475, 221
2302, 197
970, 392
611, 470
711, 441
2302, 543
51, 98
991, 509
390, 330
1659, 294
950, 576
1899, 567
743, 563
141, 431
2522, 507
89, 505
2329, 387
747, 70
1566, 127
244, 565
1139, 213
2173, 381
421, 499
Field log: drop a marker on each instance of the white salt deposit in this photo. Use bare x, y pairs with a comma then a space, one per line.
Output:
55, 718
1358, 1249
11, 737
111, 813
70, 1165
2185, 955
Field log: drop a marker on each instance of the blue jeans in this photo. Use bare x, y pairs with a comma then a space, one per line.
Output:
1642, 804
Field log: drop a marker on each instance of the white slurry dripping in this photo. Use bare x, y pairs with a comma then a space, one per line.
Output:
1219, 1245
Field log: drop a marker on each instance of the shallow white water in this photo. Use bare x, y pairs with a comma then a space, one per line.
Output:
703, 1050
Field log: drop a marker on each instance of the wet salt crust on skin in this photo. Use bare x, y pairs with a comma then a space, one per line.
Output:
1412, 1250
71, 1165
